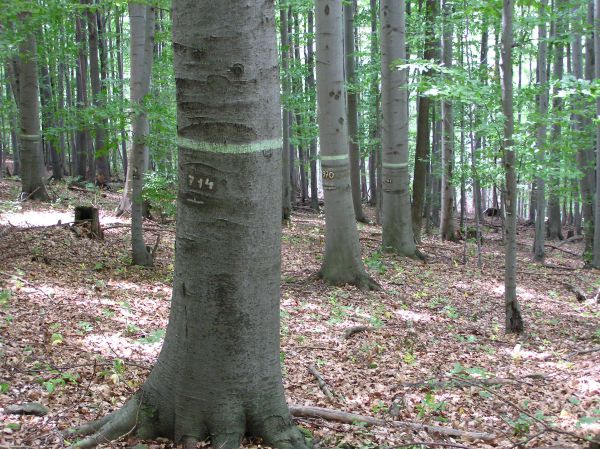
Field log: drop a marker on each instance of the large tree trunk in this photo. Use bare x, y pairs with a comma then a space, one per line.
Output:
397, 221
141, 19
352, 101
374, 122
48, 117
596, 245
423, 127
82, 142
227, 270
32, 161
119, 33
447, 225
285, 171
342, 260
514, 321
540, 216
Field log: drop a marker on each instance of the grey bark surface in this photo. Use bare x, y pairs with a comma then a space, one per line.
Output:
101, 168
514, 321
374, 131
228, 242
352, 103
447, 225
397, 232
423, 127
285, 166
540, 216
32, 161
141, 18
82, 143
342, 262
554, 216
310, 87
596, 245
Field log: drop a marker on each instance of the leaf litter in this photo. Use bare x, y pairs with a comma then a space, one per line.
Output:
80, 329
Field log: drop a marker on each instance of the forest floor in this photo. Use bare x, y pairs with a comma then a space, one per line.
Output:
80, 328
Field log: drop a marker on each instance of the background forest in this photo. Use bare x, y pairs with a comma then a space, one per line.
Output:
439, 176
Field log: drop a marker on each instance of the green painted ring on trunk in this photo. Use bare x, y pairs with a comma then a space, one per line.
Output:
392, 165
30, 137
337, 157
230, 148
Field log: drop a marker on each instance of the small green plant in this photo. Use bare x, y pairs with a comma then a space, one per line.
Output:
85, 327
4, 387
132, 329
59, 380
374, 262
451, 312
161, 193
429, 406
116, 372
521, 426
596, 336
153, 337
5, 296
56, 339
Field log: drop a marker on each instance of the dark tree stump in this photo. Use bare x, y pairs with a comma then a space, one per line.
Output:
87, 222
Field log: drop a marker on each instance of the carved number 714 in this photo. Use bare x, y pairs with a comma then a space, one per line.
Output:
200, 182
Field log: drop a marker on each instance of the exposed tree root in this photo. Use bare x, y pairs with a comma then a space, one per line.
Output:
112, 427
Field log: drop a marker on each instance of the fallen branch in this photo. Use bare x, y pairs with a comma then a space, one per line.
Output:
578, 292
350, 418
563, 250
440, 384
355, 330
582, 352
322, 384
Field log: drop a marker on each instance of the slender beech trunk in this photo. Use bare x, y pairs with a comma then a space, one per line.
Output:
397, 221
141, 18
543, 99
514, 321
285, 167
342, 262
48, 117
32, 161
374, 123
310, 88
352, 102
596, 245
423, 126
447, 225
118, 44
483, 67
82, 102
100, 160
554, 216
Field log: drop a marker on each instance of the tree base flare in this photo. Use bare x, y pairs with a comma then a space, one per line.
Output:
140, 419
361, 281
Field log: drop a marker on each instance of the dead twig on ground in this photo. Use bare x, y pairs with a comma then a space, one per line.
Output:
322, 384
351, 418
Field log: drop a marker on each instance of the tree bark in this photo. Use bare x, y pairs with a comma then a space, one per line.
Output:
554, 216
141, 18
423, 126
374, 123
285, 171
342, 262
310, 87
82, 142
447, 225
32, 161
514, 321
596, 246
101, 168
227, 270
543, 99
352, 102
397, 221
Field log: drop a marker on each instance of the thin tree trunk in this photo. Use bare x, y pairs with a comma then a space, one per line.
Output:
554, 215
397, 221
342, 260
32, 161
285, 168
540, 216
423, 126
352, 103
514, 321
141, 18
374, 95
310, 87
596, 244
447, 225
